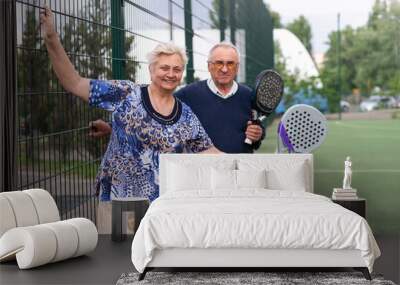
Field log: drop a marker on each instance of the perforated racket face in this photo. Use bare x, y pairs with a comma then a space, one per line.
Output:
269, 91
305, 126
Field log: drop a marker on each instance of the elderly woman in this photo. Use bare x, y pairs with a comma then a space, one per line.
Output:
146, 121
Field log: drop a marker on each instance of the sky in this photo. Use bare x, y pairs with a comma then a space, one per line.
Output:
322, 15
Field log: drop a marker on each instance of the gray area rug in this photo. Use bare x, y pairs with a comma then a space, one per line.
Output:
269, 278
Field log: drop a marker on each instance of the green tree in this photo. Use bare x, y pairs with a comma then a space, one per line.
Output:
382, 63
276, 19
378, 49
348, 58
379, 11
34, 104
302, 29
370, 55
32, 76
131, 65
288, 79
293, 84
329, 90
214, 13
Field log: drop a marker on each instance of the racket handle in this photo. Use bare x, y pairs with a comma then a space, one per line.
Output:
248, 141
255, 122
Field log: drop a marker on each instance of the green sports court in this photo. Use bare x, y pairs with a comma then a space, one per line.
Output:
374, 147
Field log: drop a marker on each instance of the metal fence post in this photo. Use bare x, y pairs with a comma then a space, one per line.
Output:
171, 21
232, 20
118, 39
8, 97
222, 24
189, 41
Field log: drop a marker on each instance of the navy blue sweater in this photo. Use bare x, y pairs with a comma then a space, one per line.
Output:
225, 120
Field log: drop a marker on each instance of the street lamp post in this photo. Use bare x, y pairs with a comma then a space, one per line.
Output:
339, 87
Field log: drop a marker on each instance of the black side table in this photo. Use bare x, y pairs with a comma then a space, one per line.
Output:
137, 205
358, 206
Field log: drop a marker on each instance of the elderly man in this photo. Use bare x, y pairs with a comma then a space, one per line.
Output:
222, 105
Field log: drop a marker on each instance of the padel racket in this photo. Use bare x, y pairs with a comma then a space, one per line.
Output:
302, 129
269, 91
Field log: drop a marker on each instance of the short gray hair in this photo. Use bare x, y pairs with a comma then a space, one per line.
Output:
168, 49
224, 44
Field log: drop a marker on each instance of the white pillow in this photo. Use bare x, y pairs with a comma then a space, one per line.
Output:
184, 174
294, 179
251, 178
284, 174
202, 160
223, 179
182, 177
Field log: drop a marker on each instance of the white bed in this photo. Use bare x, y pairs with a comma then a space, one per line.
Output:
247, 211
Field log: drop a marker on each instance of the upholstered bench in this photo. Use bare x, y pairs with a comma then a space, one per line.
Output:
31, 231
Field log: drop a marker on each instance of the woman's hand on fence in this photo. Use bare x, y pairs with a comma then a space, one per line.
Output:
47, 23
99, 128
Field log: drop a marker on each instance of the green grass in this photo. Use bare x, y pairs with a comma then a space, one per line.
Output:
374, 147
78, 168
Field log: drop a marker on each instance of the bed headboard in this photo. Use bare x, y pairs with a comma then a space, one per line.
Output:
213, 159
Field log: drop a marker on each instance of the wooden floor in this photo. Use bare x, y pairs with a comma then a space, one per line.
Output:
111, 259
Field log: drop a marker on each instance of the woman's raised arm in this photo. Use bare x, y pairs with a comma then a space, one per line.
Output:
62, 66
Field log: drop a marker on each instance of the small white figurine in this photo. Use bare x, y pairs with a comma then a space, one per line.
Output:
347, 174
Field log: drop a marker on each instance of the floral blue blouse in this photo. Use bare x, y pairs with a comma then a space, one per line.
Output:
139, 134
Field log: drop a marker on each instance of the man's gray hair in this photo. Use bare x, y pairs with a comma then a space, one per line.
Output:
168, 49
224, 44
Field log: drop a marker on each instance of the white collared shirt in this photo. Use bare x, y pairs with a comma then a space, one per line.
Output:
216, 91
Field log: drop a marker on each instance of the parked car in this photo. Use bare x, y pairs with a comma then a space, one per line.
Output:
315, 100
388, 102
397, 101
370, 104
344, 106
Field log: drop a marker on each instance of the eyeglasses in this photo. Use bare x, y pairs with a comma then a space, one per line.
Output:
219, 64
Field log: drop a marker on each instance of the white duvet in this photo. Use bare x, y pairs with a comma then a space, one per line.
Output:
250, 219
